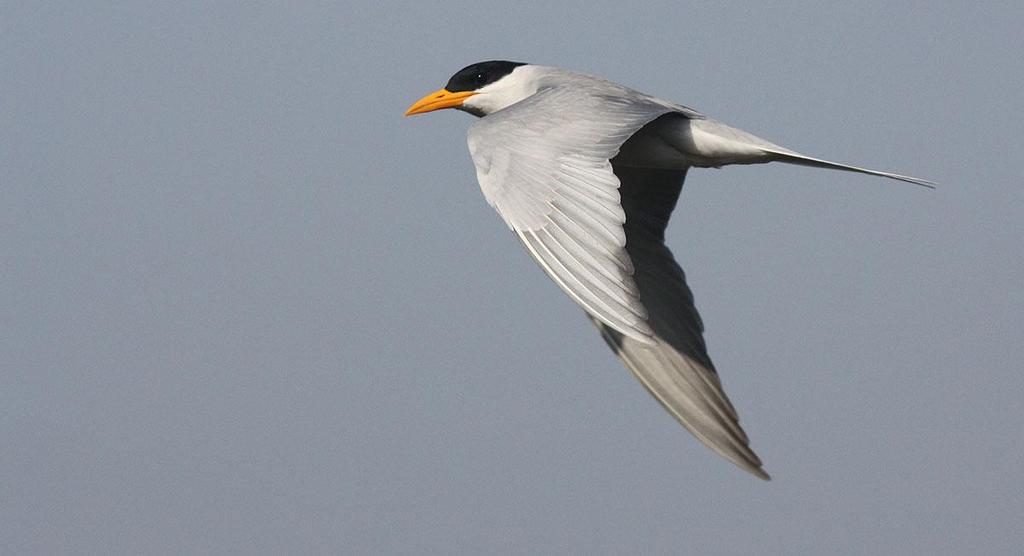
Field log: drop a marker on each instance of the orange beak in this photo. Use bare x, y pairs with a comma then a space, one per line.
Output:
441, 98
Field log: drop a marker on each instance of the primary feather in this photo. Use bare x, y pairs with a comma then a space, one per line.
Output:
586, 173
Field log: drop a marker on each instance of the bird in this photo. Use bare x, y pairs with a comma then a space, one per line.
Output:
586, 173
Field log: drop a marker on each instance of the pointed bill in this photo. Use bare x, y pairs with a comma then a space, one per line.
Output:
439, 99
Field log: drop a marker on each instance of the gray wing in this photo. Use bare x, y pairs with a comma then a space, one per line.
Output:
544, 165
676, 370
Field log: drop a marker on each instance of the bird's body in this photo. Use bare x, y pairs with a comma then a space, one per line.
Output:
586, 173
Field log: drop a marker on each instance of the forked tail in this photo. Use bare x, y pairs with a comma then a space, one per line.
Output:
795, 158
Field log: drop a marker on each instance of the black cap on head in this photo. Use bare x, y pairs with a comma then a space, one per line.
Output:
471, 78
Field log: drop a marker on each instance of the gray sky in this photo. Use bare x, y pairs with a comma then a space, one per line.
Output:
247, 307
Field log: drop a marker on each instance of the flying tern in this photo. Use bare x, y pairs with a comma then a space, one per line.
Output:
586, 173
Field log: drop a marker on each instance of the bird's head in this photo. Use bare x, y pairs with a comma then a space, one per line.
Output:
483, 88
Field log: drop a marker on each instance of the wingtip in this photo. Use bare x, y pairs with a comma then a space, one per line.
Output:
750, 466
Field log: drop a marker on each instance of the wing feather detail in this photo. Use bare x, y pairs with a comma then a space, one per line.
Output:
547, 166
546, 170
676, 369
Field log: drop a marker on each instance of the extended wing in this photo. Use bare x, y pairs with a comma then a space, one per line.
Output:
545, 164
546, 169
676, 370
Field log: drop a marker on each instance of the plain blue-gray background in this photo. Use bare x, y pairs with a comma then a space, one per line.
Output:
247, 307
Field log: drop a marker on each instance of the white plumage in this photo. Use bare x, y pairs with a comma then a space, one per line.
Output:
586, 173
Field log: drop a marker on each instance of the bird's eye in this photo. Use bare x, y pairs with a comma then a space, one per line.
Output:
479, 78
